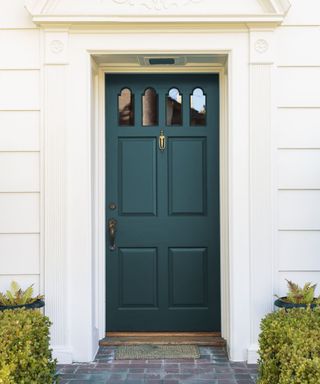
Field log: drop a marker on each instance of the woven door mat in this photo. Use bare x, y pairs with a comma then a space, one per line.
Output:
151, 351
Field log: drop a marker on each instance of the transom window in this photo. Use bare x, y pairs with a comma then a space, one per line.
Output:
173, 108
150, 107
126, 107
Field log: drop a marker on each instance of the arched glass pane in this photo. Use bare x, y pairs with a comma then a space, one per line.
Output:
198, 113
126, 107
174, 107
150, 107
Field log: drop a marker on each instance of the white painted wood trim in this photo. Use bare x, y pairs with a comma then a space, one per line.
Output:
43, 12
101, 182
261, 182
55, 264
80, 249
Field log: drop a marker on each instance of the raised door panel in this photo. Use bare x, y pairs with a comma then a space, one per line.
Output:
187, 176
137, 176
188, 277
138, 286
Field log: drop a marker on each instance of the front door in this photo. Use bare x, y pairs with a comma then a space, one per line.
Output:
162, 200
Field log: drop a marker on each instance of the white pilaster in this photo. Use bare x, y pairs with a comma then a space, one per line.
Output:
261, 249
55, 257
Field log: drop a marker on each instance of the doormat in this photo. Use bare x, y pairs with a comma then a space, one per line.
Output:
151, 351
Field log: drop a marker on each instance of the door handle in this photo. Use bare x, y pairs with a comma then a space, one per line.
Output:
112, 229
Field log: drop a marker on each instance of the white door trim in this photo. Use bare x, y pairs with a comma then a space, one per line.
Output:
74, 292
100, 183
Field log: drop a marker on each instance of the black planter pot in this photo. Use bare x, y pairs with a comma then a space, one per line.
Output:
282, 303
37, 304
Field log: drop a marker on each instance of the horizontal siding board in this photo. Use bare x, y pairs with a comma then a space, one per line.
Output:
23, 280
299, 169
299, 250
19, 49
298, 128
299, 210
19, 212
19, 171
296, 46
298, 87
19, 131
299, 277
19, 254
19, 90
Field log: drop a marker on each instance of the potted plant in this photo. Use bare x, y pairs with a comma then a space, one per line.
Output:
16, 297
298, 297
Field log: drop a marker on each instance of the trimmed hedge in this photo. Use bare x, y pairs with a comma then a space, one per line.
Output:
290, 347
25, 356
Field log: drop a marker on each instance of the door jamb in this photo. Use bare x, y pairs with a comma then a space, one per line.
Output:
99, 180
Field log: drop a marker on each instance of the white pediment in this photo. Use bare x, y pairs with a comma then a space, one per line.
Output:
91, 11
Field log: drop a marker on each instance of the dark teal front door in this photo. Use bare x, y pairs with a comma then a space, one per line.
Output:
162, 200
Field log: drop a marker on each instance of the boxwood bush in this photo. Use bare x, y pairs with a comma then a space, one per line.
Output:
25, 356
290, 347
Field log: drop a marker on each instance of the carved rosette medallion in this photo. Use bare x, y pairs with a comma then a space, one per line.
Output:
261, 46
56, 46
158, 5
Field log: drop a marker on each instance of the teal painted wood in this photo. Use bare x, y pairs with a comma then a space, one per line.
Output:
164, 274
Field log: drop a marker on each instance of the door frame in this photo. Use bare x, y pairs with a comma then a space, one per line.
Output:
98, 73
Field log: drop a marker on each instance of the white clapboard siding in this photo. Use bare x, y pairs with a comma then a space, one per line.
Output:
13, 14
298, 128
299, 169
299, 209
296, 46
300, 278
19, 90
19, 131
303, 12
19, 171
298, 87
19, 49
19, 254
19, 212
23, 280
299, 250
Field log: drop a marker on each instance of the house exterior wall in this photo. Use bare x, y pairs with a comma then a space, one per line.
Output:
296, 132
20, 156
290, 150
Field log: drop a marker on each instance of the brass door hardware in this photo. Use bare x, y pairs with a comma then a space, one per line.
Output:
162, 141
112, 228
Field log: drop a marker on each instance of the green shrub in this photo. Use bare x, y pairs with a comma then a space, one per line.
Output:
290, 347
25, 356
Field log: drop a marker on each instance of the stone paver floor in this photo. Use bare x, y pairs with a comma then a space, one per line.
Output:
213, 367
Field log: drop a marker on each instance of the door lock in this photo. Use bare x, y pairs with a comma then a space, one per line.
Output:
112, 206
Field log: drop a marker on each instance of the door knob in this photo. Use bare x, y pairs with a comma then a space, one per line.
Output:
112, 228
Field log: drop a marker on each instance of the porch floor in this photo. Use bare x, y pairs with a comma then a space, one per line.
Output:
213, 367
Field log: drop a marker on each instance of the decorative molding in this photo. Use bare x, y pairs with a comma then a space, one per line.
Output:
261, 46
70, 12
253, 355
261, 202
157, 5
56, 46
55, 202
